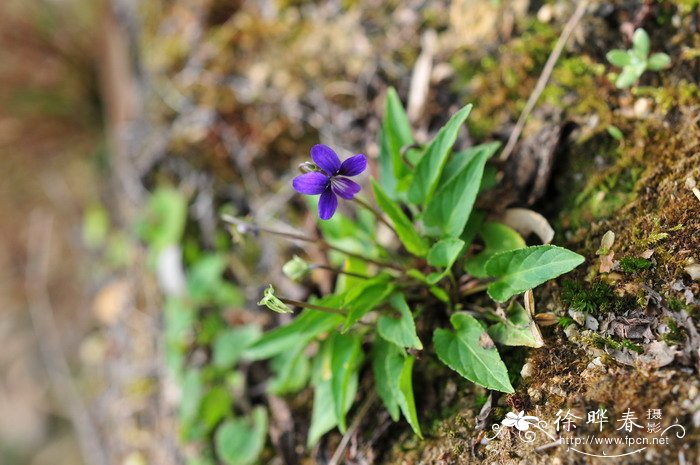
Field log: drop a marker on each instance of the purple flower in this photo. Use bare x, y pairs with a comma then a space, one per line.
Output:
331, 181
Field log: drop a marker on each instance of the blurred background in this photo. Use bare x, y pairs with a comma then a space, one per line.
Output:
51, 148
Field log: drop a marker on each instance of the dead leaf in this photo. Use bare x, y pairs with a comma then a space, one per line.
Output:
607, 263
647, 254
527, 222
658, 354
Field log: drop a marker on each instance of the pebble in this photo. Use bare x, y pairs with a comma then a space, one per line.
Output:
642, 107
527, 370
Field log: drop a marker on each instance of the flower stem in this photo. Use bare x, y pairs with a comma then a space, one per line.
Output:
340, 271
376, 213
246, 226
320, 308
465, 291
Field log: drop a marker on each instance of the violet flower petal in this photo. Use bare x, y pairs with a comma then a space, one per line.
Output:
325, 158
353, 165
344, 187
327, 204
313, 183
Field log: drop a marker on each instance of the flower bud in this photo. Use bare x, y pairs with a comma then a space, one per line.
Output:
270, 301
296, 269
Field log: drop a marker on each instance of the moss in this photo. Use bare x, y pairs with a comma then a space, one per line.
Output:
601, 342
674, 334
633, 265
596, 298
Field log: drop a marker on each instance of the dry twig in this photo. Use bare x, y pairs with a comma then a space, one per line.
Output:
544, 78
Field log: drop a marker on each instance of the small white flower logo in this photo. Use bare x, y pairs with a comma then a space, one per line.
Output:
520, 421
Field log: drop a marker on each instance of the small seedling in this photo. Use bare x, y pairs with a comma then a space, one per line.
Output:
635, 61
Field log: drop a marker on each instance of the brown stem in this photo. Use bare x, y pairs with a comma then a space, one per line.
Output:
473, 290
298, 237
376, 213
340, 271
320, 308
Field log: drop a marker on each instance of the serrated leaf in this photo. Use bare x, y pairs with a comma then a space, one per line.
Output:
517, 330
346, 356
403, 226
618, 57
240, 441
395, 134
229, 345
523, 269
363, 298
448, 212
469, 351
428, 170
401, 331
641, 42
308, 325
497, 238
658, 61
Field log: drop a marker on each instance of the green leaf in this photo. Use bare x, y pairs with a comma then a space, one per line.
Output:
524, 269
448, 212
428, 170
240, 441
216, 404
229, 345
517, 330
393, 375
395, 134
164, 220
404, 227
476, 219
641, 42
469, 351
406, 400
323, 418
346, 356
444, 252
497, 238
192, 391
658, 61
308, 325
627, 77
382, 350
363, 298
618, 57
615, 132
292, 369
401, 331
399, 370
461, 159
